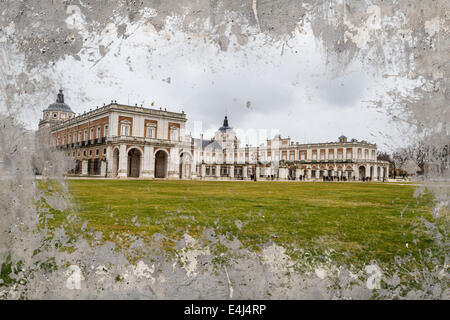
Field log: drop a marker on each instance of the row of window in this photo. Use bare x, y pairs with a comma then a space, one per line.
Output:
55, 115
150, 130
224, 171
78, 136
85, 153
262, 156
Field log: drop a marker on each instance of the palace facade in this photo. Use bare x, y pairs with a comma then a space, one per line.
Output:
125, 141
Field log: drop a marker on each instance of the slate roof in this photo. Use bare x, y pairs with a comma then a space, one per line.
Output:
207, 144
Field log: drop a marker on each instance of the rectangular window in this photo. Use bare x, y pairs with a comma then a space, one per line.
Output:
291, 155
85, 135
105, 130
96, 152
90, 152
98, 132
91, 134
104, 151
174, 134
125, 129
151, 132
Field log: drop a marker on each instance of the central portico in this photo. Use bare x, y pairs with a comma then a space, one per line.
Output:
148, 144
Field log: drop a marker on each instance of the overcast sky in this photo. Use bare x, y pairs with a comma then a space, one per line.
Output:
285, 87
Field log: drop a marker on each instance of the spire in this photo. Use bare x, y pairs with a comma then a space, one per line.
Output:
60, 97
225, 125
225, 122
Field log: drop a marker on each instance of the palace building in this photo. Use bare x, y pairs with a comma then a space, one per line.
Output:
125, 141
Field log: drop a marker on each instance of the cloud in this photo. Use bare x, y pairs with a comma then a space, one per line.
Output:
261, 87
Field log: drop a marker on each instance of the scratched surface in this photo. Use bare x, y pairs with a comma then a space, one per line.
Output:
405, 43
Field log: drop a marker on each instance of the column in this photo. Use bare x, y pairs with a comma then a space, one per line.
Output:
282, 173
174, 164
232, 172
148, 163
309, 174
103, 168
218, 171
367, 171
109, 161
84, 167
356, 172
193, 169
123, 162
317, 173
298, 172
257, 172
375, 173
244, 172
203, 170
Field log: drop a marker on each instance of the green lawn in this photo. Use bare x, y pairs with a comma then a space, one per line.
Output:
359, 221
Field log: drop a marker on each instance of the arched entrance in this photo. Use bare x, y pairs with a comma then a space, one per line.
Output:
115, 163
185, 165
349, 174
134, 163
362, 172
291, 174
378, 173
161, 160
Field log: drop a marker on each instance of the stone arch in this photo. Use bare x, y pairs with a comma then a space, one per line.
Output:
349, 172
161, 163
134, 162
362, 172
185, 165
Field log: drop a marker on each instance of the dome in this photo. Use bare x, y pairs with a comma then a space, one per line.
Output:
59, 105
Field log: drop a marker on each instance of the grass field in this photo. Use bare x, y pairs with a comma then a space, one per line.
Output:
357, 221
